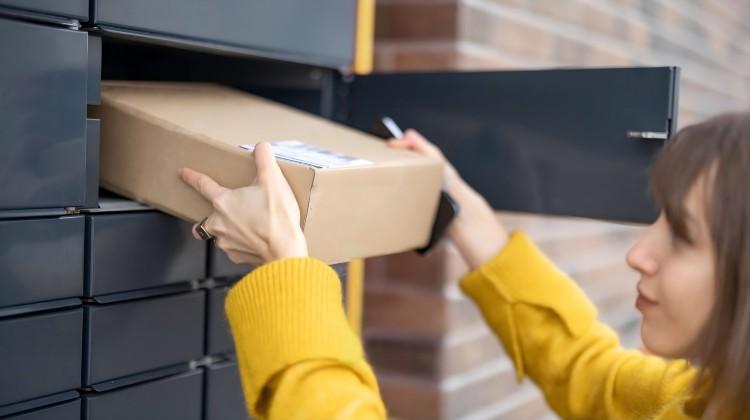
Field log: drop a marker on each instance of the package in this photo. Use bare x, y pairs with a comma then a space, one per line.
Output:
358, 198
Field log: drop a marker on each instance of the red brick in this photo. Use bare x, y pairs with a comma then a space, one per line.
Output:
411, 398
432, 358
416, 20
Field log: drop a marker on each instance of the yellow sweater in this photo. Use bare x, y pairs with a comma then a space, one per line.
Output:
298, 358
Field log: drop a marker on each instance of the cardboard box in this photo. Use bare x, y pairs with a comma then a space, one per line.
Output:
368, 200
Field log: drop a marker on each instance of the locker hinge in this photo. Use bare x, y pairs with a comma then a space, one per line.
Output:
205, 361
208, 283
342, 90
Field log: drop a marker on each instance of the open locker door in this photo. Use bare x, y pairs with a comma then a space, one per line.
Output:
575, 142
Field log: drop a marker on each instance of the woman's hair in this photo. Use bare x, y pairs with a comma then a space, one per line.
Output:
716, 151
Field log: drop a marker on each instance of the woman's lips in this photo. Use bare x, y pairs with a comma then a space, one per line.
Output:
642, 302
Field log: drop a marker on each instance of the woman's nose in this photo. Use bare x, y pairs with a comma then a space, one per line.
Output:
642, 258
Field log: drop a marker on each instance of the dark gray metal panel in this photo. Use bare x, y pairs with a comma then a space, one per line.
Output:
41, 355
342, 270
30, 213
224, 398
293, 84
138, 250
321, 31
37, 403
38, 307
77, 9
219, 335
43, 123
219, 265
93, 130
94, 89
41, 259
112, 203
133, 337
177, 397
70, 410
546, 141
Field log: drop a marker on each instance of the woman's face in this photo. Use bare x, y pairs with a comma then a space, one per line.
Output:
676, 290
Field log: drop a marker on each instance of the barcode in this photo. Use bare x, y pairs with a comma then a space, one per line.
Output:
305, 154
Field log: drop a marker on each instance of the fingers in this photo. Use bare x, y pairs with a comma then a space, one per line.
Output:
236, 255
412, 140
265, 162
399, 144
233, 253
202, 183
207, 225
195, 232
243, 258
419, 142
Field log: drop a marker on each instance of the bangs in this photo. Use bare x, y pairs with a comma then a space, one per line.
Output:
682, 161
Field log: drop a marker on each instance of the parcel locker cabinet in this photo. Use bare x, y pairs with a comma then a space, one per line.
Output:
573, 142
219, 336
133, 251
177, 397
76, 9
41, 355
320, 32
41, 260
46, 83
224, 399
136, 337
70, 410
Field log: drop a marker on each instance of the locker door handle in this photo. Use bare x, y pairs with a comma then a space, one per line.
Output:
648, 135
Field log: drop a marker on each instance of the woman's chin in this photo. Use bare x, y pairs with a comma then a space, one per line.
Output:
660, 343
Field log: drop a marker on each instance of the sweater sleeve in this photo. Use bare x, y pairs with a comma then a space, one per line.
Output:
297, 355
550, 330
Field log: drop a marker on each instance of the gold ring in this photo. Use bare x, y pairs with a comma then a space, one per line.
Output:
203, 232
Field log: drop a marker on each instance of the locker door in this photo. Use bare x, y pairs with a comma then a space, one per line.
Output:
575, 142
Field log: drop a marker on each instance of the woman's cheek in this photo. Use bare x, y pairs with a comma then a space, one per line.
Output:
685, 303
694, 295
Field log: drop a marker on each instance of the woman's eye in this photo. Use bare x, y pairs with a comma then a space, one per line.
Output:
678, 241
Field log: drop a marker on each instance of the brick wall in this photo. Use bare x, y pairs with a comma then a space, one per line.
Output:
434, 357
707, 38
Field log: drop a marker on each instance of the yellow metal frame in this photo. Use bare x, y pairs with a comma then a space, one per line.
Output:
355, 279
363, 55
365, 34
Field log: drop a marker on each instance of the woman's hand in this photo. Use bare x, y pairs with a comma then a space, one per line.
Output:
412, 140
256, 224
476, 231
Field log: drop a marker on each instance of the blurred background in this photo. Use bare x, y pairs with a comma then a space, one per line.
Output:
434, 356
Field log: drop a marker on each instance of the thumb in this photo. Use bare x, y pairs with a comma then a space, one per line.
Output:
413, 140
416, 140
265, 162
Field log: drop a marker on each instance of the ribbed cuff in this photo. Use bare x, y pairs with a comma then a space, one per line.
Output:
286, 312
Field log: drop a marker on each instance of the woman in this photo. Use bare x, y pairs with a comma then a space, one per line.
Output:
298, 358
